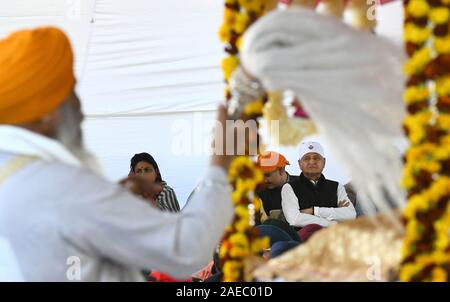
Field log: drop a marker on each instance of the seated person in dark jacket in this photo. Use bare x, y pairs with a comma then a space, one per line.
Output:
273, 164
311, 198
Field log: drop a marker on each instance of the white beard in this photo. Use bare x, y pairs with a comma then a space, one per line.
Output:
69, 134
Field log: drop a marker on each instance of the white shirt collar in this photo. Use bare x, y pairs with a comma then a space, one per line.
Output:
314, 182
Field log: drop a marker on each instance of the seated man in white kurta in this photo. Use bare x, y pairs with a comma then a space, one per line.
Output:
313, 199
64, 222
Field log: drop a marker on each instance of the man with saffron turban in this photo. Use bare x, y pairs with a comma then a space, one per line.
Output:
62, 221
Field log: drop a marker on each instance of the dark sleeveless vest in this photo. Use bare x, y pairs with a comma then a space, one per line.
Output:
323, 194
271, 198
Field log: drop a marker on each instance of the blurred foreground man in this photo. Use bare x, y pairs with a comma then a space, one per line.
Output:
62, 221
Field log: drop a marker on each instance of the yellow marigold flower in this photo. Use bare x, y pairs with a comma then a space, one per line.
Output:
412, 230
443, 86
416, 34
257, 203
445, 140
242, 211
439, 15
430, 166
223, 250
405, 250
442, 45
225, 33
239, 42
236, 197
418, 61
241, 22
442, 241
254, 108
415, 124
421, 152
229, 64
260, 244
439, 188
440, 257
242, 225
258, 175
409, 211
241, 161
238, 239
418, 8
444, 121
256, 246
407, 181
445, 1
265, 242
416, 136
424, 260
422, 203
246, 185
239, 252
229, 279
237, 165
407, 271
232, 269
439, 275
415, 94
229, 16
441, 153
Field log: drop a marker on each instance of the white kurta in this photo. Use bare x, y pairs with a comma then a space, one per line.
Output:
57, 216
322, 215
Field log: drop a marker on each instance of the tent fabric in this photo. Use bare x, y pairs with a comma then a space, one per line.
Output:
149, 77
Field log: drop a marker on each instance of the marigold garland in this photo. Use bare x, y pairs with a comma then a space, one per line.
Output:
426, 176
241, 240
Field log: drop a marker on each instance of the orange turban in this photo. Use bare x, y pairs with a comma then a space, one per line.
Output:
36, 74
270, 161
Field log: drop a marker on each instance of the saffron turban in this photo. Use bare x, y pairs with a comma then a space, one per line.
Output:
270, 161
36, 74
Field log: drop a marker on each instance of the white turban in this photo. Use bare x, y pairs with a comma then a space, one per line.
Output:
349, 81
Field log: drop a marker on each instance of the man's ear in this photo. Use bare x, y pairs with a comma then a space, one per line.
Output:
46, 125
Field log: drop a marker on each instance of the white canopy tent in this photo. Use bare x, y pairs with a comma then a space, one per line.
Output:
149, 77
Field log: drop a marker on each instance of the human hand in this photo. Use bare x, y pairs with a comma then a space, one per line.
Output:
343, 203
222, 135
142, 187
232, 138
309, 211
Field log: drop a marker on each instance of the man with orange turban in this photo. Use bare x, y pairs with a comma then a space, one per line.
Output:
62, 221
273, 165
